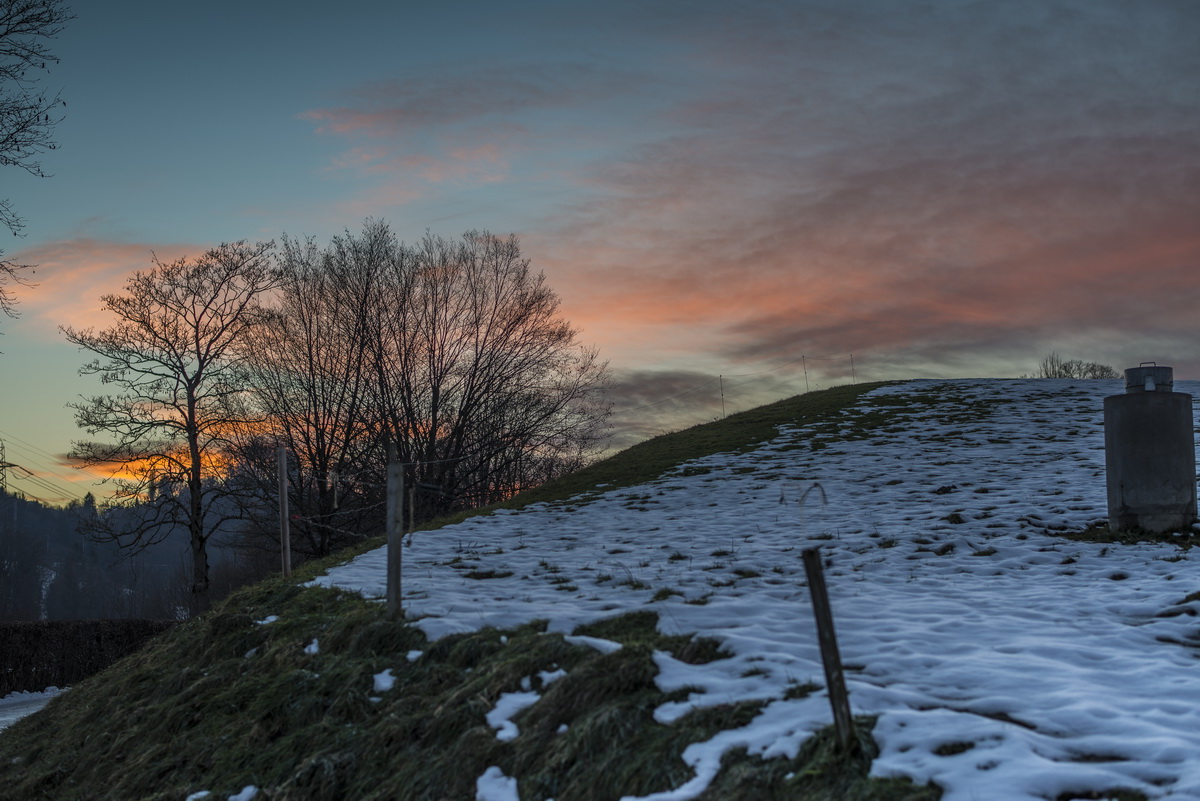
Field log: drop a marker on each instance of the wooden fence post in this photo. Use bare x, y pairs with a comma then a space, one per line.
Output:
285, 531
395, 532
835, 680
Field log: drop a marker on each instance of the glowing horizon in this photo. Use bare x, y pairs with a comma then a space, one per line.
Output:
950, 191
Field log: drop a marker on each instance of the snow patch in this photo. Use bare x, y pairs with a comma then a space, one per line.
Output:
508, 705
493, 785
384, 681
603, 646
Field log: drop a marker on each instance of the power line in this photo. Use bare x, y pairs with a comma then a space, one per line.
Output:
30, 477
773, 369
42, 485
28, 445
34, 452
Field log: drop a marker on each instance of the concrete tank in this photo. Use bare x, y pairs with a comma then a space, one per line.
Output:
1150, 453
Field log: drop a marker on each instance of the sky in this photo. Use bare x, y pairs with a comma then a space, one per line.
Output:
732, 200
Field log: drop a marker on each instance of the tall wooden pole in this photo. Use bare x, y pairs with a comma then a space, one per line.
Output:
395, 532
835, 680
285, 532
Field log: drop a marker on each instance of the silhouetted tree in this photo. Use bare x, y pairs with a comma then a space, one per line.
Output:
454, 350
27, 114
1053, 366
175, 354
312, 378
483, 385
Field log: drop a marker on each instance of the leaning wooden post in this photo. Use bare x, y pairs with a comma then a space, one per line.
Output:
835, 680
395, 532
285, 532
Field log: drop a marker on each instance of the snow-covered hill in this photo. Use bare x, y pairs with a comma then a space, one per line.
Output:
1003, 661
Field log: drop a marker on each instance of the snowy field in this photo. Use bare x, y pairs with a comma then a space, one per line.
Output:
1003, 662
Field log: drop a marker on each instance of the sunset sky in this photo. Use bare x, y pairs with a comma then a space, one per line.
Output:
747, 190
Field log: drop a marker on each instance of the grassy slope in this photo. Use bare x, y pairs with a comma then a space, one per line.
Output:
223, 701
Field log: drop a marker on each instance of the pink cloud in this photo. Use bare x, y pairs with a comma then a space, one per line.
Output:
1003, 255
468, 95
72, 275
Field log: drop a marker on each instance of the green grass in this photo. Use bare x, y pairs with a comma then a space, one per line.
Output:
1100, 532
648, 460
223, 701
819, 772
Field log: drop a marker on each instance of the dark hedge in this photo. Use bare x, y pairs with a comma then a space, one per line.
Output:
57, 653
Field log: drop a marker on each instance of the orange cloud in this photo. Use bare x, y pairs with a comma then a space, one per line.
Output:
912, 258
72, 275
97, 471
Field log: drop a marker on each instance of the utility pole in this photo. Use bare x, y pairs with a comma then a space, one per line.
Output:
4, 465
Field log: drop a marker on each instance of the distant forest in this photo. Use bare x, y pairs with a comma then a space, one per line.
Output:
50, 571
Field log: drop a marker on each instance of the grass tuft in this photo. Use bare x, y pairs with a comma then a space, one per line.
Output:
1101, 533
820, 772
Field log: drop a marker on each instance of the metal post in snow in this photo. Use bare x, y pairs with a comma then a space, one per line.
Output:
835, 679
395, 532
285, 532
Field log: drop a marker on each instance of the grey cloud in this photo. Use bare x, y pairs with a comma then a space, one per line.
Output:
472, 93
647, 403
968, 176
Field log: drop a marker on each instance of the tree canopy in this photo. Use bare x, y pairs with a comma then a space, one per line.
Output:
451, 352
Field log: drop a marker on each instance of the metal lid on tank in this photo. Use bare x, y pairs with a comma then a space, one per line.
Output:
1149, 377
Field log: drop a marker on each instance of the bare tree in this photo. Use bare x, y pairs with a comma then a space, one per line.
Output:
1054, 366
484, 387
175, 355
27, 114
311, 374
454, 350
